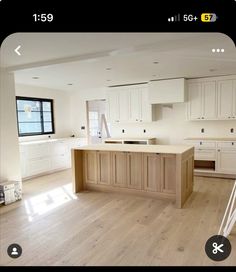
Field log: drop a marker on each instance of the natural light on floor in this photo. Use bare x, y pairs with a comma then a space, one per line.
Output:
42, 203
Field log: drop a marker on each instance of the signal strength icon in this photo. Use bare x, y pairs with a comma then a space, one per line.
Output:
175, 18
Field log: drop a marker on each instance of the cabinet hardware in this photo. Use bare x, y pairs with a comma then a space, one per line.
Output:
229, 117
202, 117
218, 150
157, 153
200, 143
232, 143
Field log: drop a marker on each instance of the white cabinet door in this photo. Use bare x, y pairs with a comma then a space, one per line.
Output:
226, 161
113, 106
38, 166
225, 99
60, 155
234, 100
146, 108
209, 100
38, 150
135, 104
123, 105
60, 162
59, 148
194, 101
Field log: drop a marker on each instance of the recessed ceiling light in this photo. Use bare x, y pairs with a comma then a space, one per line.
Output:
154, 75
155, 62
108, 68
35, 77
108, 80
69, 84
212, 70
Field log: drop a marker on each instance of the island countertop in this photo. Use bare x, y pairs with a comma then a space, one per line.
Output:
162, 149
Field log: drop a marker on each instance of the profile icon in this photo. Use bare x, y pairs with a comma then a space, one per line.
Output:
14, 251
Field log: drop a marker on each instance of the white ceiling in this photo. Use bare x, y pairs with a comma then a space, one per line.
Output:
83, 58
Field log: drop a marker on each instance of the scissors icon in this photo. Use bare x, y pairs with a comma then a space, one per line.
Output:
217, 248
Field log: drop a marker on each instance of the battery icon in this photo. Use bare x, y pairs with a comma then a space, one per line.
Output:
208, 17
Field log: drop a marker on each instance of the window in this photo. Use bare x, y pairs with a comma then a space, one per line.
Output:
34, 116
93, 123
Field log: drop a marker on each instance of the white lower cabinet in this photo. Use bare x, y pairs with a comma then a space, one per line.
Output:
226, 161
60, 161
37, 166
204, 154
39, 158
222, 153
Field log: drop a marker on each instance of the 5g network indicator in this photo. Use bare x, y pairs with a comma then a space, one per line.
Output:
205, 18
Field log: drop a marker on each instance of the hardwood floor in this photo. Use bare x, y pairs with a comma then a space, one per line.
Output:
55, 227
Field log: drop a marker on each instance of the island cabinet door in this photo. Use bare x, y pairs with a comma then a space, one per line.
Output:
168, 173
152, 172
119, 169
134, 170
90, 166
104, 167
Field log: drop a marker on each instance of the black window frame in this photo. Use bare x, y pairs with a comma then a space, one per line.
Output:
41, 115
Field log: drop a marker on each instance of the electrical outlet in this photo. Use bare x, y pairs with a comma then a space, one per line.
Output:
144, 131
231, 130
202, 130
123, 131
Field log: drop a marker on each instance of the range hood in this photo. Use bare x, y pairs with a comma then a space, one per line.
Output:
167, 91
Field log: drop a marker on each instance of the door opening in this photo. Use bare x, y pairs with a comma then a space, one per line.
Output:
98, 129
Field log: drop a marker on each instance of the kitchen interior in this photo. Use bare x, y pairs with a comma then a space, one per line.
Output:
144, 115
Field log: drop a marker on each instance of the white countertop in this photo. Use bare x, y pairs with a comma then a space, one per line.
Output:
211, 139
48, 140
165, 149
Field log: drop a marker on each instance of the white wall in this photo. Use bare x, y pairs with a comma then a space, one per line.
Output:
62, 109
9, 147
171, 126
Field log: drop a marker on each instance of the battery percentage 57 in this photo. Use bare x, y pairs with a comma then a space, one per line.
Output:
208, 17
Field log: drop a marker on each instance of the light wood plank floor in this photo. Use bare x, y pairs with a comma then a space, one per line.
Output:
55, 227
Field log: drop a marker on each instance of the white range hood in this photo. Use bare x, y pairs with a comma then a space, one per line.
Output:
167, 91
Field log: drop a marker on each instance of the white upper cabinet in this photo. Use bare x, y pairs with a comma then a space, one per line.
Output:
225, 99
167, 91
135, 102
202, 101
123, 105
209, 100
146, 107
195, 101
129, 104
113, 106
212, 99
234, 100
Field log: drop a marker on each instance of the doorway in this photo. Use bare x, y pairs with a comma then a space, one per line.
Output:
98, 128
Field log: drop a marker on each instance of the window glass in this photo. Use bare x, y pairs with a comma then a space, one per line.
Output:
34, 116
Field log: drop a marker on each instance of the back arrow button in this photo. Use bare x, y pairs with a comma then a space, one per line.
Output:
17, 50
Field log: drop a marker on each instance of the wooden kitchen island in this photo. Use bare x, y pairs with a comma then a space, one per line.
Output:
161, 171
